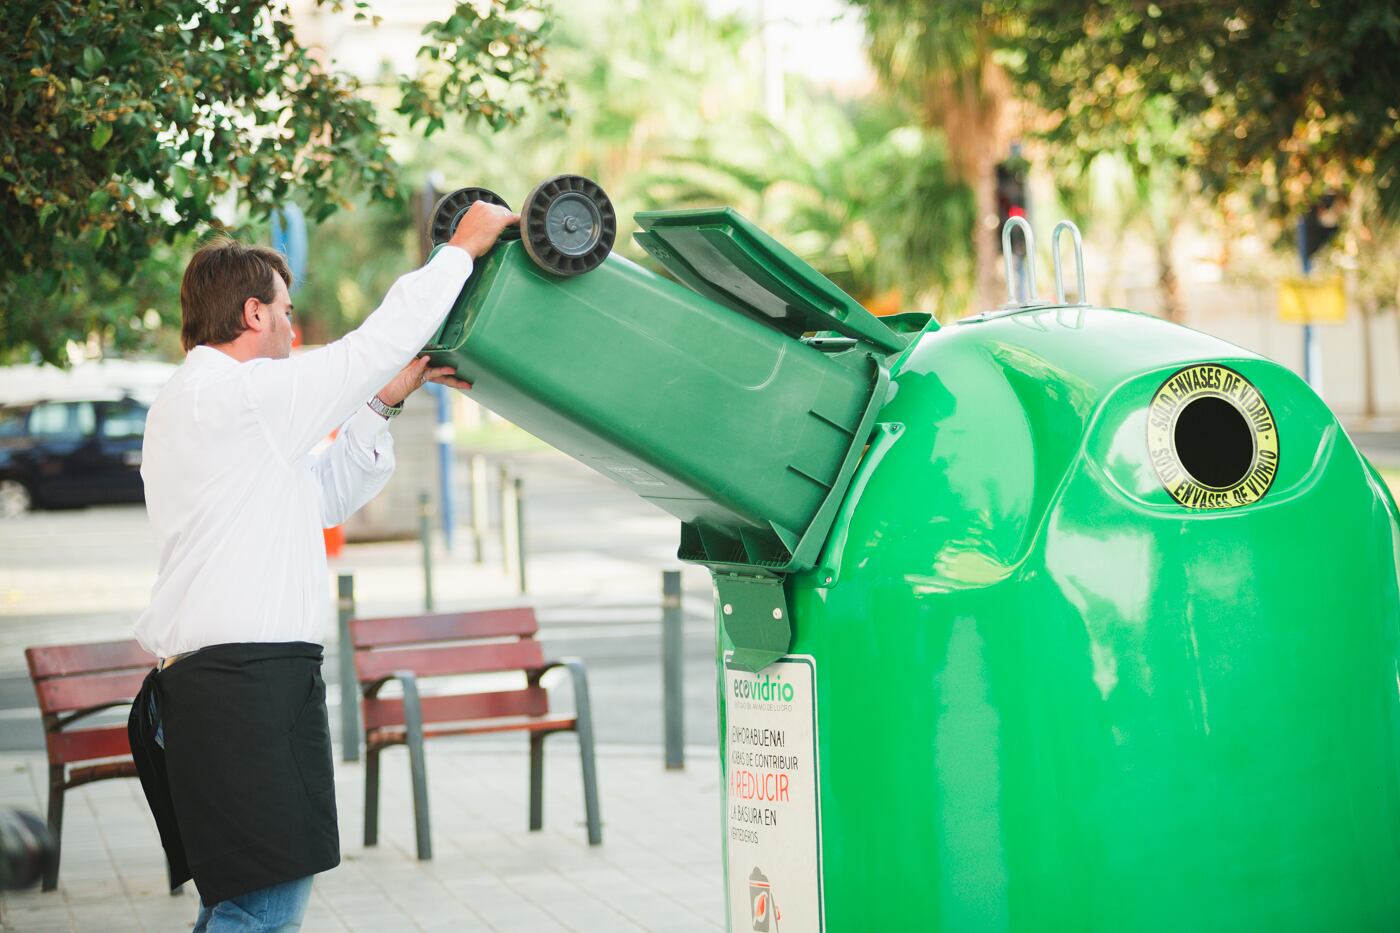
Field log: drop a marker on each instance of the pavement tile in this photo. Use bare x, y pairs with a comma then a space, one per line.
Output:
453, 925
316, 922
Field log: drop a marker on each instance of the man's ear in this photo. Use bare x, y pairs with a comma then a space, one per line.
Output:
253, 318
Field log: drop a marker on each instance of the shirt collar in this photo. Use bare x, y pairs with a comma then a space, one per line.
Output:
206, 356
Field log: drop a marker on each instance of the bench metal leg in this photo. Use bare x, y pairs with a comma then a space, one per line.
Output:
536, 780
55, 825
583, 709
590, 780
418, 766
583, 712
371, 797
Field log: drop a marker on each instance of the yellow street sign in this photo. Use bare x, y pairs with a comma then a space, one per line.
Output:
1312, 301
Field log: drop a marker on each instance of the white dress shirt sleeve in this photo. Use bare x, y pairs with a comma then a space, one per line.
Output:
303, 398
355, 467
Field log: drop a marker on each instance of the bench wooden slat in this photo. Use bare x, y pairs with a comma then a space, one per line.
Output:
395, 736
108, 769
61, 660
69, 694
454, 659
87, 744
532, 701
456, 626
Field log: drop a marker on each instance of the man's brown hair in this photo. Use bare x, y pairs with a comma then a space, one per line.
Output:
221, 276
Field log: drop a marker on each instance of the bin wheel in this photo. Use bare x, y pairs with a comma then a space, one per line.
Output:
568, 225
450, 208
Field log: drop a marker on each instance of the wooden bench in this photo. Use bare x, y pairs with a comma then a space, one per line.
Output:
73, 682
407, 649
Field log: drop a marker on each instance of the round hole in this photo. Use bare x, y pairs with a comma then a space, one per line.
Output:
1213, 442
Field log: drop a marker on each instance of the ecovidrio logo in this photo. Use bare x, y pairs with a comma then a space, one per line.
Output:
767, 690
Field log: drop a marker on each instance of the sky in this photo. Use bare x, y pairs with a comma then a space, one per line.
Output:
821, 40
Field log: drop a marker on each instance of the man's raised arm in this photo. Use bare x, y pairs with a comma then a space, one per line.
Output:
303, 398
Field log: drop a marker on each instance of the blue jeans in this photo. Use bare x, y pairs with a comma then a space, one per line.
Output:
267, 910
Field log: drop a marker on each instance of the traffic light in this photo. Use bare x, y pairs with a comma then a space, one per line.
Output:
1011, 198
1320, 224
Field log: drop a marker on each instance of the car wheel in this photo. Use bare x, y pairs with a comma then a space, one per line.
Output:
14, 498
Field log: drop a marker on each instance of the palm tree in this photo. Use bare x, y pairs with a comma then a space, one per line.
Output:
864, 198
939, 53
1133, 176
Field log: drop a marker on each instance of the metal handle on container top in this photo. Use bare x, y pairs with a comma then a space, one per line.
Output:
1028, 235
1078, 261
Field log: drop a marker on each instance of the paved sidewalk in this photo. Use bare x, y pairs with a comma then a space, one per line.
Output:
658, 869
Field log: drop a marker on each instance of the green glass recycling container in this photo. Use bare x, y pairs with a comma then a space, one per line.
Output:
1105, 636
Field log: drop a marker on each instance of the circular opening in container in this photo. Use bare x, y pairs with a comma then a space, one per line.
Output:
1213, 442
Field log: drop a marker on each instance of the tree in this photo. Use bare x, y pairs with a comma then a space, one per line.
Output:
942, 54
128, 125
667, 112
1296, 94
1132, 173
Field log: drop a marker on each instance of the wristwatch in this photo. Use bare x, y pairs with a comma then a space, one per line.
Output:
387, 412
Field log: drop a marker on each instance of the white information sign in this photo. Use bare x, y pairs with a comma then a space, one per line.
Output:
774, 817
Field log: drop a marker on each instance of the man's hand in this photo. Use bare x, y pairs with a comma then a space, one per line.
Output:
416, 375
479, 228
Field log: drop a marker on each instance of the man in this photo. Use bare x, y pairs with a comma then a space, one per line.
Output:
230, 733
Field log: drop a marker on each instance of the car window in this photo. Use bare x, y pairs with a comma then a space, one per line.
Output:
12, 422
62, 420
124, 419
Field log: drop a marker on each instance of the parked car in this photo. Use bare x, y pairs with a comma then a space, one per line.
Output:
69, 453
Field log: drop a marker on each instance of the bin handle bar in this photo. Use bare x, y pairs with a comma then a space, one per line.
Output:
1027, 234
1078, 261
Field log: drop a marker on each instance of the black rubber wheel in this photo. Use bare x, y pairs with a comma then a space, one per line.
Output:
15, 498
568, 225
450, 208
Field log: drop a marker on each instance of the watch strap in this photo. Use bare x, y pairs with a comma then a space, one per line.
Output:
387, 412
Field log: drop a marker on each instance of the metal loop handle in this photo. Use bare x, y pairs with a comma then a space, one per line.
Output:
1078, 261
1028, 235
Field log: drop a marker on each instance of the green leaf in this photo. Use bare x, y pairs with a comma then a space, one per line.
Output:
101, 135
93, 59
46, 212
179, 181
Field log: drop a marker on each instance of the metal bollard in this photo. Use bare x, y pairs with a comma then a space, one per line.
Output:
508, 553
481, 507
444, 436
425, 531
519, 496
349, 683
672, 672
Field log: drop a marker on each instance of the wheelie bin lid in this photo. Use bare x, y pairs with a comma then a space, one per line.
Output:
719, 254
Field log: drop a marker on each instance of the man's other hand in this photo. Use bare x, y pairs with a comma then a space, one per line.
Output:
416, 375
479, 228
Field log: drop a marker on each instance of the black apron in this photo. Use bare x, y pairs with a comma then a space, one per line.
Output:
243, 793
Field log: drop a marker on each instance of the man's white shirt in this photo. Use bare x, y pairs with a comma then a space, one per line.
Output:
238, 492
